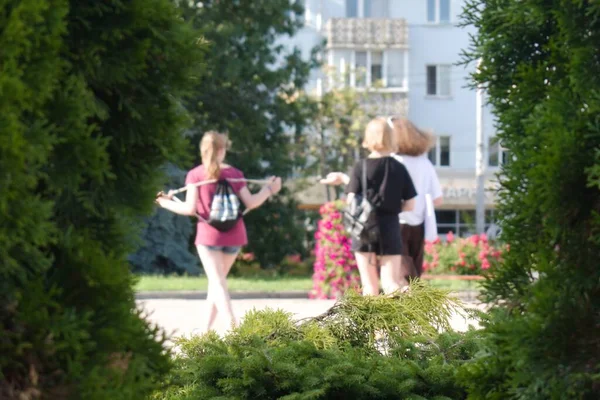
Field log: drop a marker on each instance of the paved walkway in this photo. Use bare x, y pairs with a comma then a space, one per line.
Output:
181, 317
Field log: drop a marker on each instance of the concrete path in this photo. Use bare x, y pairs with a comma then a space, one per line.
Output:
181, 317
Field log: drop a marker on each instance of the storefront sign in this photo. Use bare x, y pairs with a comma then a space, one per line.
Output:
465, 194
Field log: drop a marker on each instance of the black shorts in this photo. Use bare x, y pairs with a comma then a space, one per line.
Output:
390, 243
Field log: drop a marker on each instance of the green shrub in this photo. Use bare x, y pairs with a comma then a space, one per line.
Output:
246, 265
333, 356
89, 110
541, 69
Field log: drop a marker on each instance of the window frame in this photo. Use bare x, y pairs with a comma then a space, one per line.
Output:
502, 152
437, 12
460, 228
438, 152
438, 81
385, 68
361, 8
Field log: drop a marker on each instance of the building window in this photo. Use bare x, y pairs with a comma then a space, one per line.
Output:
371, 67
497, 155
438, 11
376, 8
367, 8
360, 68
439, 154
376, 66
461, 222
395, 68
351, 8
438, 80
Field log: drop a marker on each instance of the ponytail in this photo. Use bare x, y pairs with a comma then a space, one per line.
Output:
212, 142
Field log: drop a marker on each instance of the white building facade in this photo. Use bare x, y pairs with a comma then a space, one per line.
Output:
412, 48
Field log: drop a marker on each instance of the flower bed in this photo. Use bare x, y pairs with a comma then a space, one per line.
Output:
335, 268
461, 256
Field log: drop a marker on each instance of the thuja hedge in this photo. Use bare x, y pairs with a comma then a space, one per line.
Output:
89, 110
540, 66
363, 348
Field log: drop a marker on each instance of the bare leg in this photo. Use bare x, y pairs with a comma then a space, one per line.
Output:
227, 262
391, 278
218, 294
368, 273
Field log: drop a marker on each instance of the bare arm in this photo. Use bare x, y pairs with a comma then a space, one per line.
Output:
336, 178
408, 205
438, 201
256, 200
186, 208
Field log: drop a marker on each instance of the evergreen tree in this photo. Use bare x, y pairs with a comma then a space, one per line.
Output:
89, 109
249, 91
541, 69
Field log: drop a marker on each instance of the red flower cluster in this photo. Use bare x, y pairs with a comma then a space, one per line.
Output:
335, 268
463, 256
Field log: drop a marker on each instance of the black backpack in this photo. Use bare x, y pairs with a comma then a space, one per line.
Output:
360, 218
225, 208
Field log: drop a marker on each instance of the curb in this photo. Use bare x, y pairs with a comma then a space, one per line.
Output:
200, 295
464, 295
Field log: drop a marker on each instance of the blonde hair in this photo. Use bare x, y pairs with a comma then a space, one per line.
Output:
409, 139
379, 136
212, 142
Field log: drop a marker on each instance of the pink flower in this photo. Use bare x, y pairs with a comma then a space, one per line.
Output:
294, 258
485, 264
450, 237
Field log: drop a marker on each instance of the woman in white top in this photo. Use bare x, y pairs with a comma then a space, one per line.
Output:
418, 224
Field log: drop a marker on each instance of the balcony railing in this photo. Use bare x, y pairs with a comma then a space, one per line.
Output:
382, 103
367, 33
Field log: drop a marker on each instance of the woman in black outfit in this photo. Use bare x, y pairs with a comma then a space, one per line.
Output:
390, 189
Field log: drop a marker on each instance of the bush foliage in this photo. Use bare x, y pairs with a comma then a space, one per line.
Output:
541, 69
333, 356
90, 108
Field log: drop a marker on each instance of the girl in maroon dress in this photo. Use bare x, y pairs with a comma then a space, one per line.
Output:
217, 250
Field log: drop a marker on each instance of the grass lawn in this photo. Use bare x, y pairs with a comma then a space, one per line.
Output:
259, 284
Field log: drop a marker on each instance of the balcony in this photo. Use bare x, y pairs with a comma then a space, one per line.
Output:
382, 103
366, 33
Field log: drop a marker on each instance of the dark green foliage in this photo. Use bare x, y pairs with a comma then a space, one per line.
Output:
272, 357
541, 68
248, 91
89, 109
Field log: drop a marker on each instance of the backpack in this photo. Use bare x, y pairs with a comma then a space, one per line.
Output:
360, 218
225, 208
